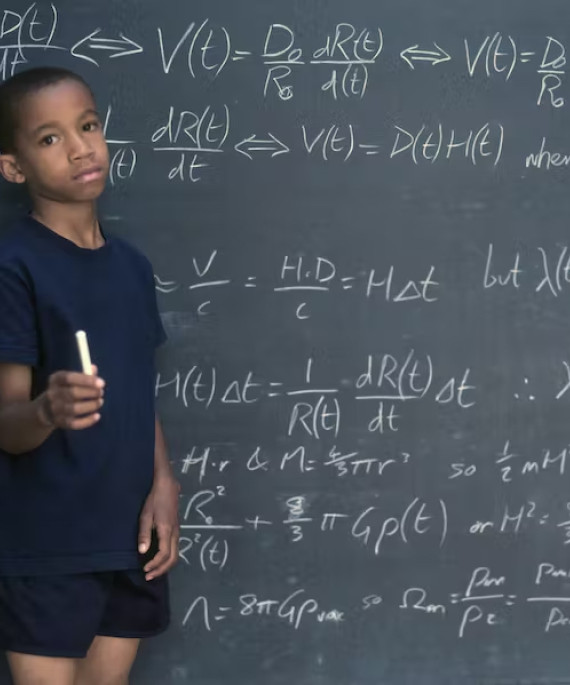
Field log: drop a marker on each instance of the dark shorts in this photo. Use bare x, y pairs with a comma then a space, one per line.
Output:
60, 615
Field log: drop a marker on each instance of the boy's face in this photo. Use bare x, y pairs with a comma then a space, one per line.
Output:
60, 149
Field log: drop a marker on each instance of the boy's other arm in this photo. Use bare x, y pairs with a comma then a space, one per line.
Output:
21, 425
162, 468
71, 401
160, 511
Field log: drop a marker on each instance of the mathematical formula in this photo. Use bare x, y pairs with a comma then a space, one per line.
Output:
347, 54
486, 602
544, 270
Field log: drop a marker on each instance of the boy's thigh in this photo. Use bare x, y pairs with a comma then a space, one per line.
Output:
108, 661
31, 669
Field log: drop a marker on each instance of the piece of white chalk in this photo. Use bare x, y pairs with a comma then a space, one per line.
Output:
83, 347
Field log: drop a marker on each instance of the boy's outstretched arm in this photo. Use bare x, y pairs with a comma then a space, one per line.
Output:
160, 512
71, 401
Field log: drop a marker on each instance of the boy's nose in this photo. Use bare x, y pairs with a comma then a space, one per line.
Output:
79, 147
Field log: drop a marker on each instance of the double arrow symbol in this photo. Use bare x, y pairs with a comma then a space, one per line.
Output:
253, 144
414, 54
119, 47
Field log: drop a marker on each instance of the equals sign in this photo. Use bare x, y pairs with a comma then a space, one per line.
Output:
224, 609
526, 56
454, 598
240, 54
347, 282
275, 394
370, 149
165, 286
250, 283
510, 601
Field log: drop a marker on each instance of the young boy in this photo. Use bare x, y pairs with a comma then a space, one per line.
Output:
84, 474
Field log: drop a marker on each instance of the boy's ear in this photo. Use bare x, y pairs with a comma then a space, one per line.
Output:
10, 169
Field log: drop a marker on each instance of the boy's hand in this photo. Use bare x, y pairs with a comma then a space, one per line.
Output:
160, 512
72, 400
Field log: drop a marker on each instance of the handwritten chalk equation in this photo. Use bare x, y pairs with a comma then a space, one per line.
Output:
26, 33
304, 281
385, 382
381, 525
346, 53
301, 276
373, 527
548, 272
488, 601
385, 385
294, 610
373, 463
205, 463
512, 466
192, 141
198, 141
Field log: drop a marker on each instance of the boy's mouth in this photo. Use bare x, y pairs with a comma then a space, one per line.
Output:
87, 175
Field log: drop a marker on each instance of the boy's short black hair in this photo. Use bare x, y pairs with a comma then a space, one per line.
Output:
16, 88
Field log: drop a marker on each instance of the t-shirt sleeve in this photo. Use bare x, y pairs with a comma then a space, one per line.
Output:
18, 329
159, 333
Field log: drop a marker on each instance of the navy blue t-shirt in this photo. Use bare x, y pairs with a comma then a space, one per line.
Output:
72, 505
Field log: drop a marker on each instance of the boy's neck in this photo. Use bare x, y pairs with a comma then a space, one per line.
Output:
78, 223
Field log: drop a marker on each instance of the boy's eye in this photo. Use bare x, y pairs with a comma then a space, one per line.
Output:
91, 126
48, 140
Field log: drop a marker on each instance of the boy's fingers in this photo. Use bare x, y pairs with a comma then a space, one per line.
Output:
75, 393
163, 568
163, 563
155, 563
80, 409
72, 378
85, 422
170, 560
70, 410
174, 548
158, 570
163, 554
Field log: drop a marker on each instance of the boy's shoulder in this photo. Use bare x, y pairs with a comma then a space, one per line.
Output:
16, 242
130, 252
24, 238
